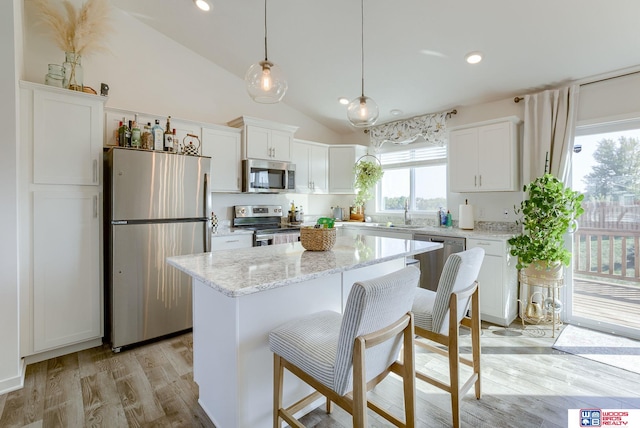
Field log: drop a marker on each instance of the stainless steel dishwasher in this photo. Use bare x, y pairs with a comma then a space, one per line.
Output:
432, 262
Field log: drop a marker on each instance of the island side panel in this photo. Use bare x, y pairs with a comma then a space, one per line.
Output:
215, 353
259, 314
233, 365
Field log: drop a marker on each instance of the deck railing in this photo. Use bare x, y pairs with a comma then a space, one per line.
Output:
610, 253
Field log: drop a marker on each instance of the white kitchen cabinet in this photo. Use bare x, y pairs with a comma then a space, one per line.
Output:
497, 281
66, 267
67, 127
484, 158
222, 144
341, 161
229, 242
312, 164
263, 139
60, 207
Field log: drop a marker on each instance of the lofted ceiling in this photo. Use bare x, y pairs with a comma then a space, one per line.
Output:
414, 49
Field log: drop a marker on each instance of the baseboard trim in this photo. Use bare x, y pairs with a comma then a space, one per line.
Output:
14, 383
36, 358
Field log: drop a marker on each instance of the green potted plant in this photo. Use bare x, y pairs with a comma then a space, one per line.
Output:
367, 174
549, 212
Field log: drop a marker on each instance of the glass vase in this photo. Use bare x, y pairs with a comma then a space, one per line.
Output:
73, 74
55, 76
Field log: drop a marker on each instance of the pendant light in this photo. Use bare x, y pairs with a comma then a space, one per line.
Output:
265, 81
362, 111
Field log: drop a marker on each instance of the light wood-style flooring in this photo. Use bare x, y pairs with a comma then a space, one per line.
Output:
525, 384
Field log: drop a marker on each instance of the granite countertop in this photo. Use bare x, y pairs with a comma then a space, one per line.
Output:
433, 230
245, 271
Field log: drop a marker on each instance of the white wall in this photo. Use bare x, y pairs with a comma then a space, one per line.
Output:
10, 47
150, 73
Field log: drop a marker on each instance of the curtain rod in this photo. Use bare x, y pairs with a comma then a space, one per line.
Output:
604, 79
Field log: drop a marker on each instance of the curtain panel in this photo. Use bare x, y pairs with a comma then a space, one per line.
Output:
549, 129
430, 127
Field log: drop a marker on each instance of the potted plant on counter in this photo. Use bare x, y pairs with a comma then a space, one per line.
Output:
367, 174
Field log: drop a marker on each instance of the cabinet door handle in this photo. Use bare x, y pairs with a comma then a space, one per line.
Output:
480, 180
95, 170
232, 240
475, 181
95, 206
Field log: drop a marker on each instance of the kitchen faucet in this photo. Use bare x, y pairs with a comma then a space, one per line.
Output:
407, 219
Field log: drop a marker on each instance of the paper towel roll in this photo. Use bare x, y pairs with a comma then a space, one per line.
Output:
465, 217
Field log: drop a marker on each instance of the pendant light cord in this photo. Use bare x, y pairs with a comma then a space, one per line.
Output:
361, 43
265, 31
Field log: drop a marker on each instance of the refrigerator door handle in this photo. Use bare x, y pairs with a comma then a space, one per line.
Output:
207, 215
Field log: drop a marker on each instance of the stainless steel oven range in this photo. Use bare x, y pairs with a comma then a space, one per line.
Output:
266, 223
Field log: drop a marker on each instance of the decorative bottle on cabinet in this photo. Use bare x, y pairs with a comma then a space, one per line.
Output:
168, 137
158, 136
135, 135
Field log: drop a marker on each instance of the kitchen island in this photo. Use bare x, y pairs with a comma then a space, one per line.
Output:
240, 295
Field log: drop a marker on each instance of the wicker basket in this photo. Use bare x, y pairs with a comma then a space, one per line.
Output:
313, 239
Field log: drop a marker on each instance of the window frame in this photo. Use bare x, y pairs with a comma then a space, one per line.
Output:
411, 165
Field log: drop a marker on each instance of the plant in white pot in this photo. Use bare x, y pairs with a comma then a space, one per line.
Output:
549, 212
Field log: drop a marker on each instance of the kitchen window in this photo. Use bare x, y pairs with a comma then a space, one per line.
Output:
417, 175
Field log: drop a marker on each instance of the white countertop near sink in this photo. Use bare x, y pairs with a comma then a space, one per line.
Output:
433, 230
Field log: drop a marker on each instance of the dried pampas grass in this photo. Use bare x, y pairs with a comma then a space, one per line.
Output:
81, 31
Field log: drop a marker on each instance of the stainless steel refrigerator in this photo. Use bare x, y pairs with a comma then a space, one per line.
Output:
156, 205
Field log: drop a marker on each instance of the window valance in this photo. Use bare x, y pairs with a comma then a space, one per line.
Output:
430, 127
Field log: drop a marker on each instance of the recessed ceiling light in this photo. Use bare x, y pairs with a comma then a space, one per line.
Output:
473, 57
396, 112
203, 5
343, 100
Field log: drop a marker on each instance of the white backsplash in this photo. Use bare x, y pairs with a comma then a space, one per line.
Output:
314, 206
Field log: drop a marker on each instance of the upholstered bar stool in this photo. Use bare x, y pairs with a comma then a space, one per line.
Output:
344, 356
438, 316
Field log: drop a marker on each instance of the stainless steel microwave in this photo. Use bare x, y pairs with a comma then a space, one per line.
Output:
263, 176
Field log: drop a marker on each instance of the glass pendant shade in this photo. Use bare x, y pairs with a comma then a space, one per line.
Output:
362, 112
265, 82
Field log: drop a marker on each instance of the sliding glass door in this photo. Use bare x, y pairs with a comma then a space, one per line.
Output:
603, 287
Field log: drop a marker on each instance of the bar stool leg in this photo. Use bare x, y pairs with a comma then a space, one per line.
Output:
278, 375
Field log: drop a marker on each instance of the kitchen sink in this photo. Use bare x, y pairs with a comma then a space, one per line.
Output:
394, 225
